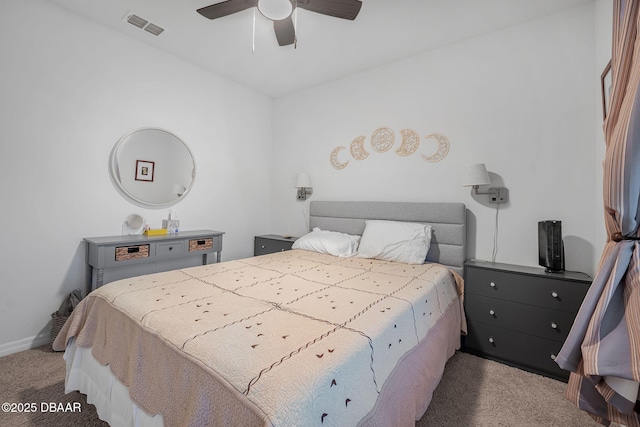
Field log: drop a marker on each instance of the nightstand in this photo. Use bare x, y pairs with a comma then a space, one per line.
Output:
270, 243
521, 315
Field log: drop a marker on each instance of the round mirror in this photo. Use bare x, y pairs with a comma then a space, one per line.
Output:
152, 167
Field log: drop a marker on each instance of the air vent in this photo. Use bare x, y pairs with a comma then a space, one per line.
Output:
142, 23
137, 21
153, 29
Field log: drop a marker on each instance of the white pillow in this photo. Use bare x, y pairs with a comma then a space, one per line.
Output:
406, 242
328, 242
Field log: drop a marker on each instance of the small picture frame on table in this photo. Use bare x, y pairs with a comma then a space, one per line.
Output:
606, 83
144, 170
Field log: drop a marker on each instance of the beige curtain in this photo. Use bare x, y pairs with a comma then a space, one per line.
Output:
603, 347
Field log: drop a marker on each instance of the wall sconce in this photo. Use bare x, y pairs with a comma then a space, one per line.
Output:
475, 176
303, 184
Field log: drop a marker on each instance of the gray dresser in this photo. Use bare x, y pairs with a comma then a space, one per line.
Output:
119, 257
521, 315
270, 243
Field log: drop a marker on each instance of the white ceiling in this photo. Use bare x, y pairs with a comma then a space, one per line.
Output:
328, 48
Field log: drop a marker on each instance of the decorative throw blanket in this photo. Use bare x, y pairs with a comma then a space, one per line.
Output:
293, 338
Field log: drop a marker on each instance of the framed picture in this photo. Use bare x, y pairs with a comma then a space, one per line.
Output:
606, 83
144, 170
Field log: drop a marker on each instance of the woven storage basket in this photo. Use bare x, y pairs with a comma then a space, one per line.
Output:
57, 322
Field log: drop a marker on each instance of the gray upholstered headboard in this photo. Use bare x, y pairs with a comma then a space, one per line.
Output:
448, 221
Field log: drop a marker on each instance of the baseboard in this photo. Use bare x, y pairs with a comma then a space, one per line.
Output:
24, 344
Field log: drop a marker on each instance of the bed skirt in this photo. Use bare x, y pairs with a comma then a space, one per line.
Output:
103, 390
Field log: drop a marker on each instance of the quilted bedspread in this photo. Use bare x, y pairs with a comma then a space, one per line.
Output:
293, 338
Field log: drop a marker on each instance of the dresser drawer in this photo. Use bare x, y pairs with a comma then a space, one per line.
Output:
530, 352
127, 253
263, 245
200, 244
164, 249
534, 320
543, 291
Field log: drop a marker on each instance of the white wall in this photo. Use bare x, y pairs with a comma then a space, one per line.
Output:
520, 100
69, 90
603, 30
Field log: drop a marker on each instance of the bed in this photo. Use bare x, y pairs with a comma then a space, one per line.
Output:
301, 337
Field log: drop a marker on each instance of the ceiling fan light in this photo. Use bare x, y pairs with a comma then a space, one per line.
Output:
275, 10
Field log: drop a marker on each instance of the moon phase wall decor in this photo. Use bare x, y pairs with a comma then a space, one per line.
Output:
334, 159
383, 139
410, 142
357, 149
443, 148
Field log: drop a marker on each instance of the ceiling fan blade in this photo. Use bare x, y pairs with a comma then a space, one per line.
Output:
285, 31
225, 8
345, 9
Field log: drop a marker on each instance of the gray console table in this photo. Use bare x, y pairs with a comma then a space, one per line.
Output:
119, 257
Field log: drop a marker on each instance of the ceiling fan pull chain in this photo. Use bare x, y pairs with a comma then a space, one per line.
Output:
295, 26
253, 41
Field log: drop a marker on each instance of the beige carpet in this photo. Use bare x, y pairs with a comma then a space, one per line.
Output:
473, 392
37, 377
479, 392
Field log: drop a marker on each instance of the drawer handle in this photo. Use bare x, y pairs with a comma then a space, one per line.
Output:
170, 248
262, 247
493, 285
201, 242
133, 250
553, 325
492, 313
554, 294
491, 340
553, 357
282, 250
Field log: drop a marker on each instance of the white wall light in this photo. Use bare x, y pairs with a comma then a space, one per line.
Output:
303, 184
477, 175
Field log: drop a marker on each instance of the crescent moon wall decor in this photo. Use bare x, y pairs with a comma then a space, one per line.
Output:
357, 148
443, 148
410, 142
382, 139
334, 158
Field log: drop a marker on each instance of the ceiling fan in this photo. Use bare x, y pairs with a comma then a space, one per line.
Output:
281, 11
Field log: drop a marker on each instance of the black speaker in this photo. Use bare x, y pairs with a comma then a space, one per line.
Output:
550, 246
